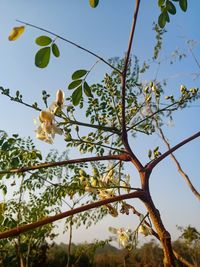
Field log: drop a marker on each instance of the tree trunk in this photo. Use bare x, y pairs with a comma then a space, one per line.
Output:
164, 236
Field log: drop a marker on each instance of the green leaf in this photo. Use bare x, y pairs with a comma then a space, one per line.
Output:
15, 162
149, 153
5, 146
162, 20
4, 189
78, 74
161, 2
94, 3
42, 57
76, 96
183, 4
55, 50
43, 40
39, 155
167, 17
87, 89
74, 84
171, 7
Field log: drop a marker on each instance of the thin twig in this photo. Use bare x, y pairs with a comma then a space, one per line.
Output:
45, 180
70, 42
152, 115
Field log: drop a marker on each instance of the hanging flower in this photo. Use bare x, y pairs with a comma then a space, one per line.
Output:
144, 230
124, 237
16, 33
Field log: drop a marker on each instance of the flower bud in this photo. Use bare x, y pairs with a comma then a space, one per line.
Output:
60, 95
82, 173
183, 89
93, 182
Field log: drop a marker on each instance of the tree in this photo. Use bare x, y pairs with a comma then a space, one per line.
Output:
118, 108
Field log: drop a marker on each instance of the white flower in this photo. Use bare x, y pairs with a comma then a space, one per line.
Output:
123, 237
145, 230
41, 135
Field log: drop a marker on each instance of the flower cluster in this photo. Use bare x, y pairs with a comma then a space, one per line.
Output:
47, 129
126, 237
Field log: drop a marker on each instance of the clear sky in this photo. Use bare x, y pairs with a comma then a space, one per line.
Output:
105, 31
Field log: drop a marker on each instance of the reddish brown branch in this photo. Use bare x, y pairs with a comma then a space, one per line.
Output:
123, 157
24, 228
152, 164
135, 160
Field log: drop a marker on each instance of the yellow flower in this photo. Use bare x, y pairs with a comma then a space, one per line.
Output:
47, 128
46, 116
15, 33
105, 193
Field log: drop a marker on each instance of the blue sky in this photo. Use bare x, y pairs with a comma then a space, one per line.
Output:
105, 31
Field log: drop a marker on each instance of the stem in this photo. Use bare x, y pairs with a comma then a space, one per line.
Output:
70, 42
80, 140
99, 127
18, 222
123, 157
